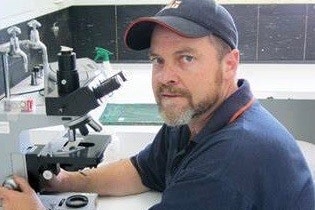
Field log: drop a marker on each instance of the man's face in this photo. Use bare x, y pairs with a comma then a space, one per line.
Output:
186, 78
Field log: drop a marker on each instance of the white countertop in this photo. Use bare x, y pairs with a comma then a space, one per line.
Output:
132, 202
279, 81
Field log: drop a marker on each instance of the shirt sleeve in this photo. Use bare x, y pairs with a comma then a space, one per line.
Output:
151, 162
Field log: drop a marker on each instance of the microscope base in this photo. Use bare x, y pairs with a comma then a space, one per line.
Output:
90, 156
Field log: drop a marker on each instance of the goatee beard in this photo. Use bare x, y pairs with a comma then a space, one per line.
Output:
177, 116
169, 112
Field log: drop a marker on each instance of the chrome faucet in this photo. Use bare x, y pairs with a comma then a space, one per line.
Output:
36, 44
11, 49
15, 49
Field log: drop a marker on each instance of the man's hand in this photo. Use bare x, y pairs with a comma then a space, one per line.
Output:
26, 198
59, 183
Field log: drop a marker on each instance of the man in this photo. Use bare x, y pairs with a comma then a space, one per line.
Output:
219, 148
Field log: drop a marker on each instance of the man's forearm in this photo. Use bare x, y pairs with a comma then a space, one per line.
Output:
115, 179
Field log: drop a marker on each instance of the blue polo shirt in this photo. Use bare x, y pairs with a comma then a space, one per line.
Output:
242, 159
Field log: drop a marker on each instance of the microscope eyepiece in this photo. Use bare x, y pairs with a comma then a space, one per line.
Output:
109, 85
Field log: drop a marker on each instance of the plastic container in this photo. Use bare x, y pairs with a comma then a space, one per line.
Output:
102, 59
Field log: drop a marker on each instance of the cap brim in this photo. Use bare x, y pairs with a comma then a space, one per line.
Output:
138, 34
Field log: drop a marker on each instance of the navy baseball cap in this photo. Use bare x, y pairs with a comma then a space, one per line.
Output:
187, 18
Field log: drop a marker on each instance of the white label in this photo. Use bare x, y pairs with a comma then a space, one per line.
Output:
4, 127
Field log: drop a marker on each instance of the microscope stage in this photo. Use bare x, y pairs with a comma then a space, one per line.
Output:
88, 157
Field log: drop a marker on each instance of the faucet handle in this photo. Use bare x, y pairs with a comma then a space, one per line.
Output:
34, 24
14, 30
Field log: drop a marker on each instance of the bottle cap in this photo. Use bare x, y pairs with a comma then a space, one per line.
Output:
102, 54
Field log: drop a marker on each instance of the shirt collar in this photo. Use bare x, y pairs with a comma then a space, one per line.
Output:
237, 103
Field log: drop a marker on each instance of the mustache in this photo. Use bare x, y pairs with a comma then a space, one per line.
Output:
172, 90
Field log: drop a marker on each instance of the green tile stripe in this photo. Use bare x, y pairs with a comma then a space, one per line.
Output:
131, 114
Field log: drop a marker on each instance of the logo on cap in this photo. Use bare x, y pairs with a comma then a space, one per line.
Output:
173, 4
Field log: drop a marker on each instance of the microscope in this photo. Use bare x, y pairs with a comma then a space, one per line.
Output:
67, 102
72, 102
